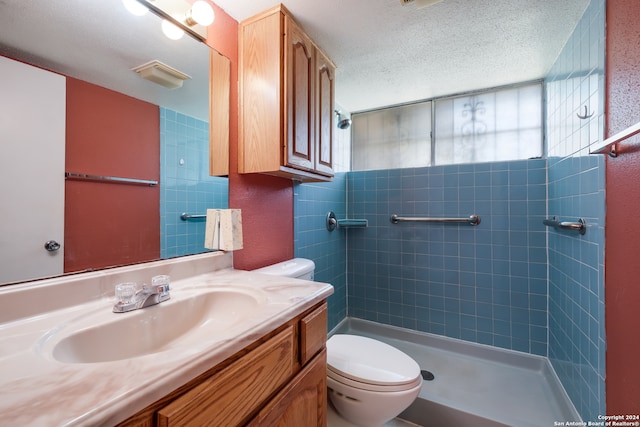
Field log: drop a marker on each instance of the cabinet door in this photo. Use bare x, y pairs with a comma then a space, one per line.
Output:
229, 397
219, 111
299, 78
325, 72
303, 403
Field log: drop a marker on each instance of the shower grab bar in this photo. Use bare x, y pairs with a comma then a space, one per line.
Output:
580, 226
186, 217
471, 220
114, 179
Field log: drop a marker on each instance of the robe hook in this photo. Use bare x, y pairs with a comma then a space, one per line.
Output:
585, 115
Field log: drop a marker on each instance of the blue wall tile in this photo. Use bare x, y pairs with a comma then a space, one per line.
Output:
185, 184
474, 282
576, 189
327, 249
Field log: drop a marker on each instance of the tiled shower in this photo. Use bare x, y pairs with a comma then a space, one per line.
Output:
483, 283
510, 282
576, 182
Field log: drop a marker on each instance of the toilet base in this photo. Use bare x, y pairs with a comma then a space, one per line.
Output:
334, 419
369, 408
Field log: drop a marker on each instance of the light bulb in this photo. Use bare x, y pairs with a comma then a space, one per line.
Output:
135, 7
171, 30
202, 13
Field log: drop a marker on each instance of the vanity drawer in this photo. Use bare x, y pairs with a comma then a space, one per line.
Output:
313, 333
230, 396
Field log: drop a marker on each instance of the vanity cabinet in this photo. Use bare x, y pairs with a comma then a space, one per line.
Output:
286, 100
279, 380
302, 402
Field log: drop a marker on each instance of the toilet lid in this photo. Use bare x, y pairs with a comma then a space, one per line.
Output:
369, 361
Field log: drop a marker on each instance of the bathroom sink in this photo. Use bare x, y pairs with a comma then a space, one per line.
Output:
179, 322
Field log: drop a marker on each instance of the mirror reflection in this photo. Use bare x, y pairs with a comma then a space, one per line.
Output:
116, 124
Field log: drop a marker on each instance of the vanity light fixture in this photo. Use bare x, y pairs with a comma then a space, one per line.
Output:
192, 19
135, 8
171, 30
162, 74
200, 13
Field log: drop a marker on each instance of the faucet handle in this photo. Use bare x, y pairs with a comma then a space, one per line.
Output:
160, 284
162, 289
125, 292
155, 289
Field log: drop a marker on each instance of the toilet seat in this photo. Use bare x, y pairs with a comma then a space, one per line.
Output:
369, 364
331, 375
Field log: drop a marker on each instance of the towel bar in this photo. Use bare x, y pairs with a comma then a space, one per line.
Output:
186, 217
113, 179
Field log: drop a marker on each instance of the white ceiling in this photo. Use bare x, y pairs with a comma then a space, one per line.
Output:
389, 54
386, 53
99, 42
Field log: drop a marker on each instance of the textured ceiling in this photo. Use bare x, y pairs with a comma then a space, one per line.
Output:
386, 53
389, 54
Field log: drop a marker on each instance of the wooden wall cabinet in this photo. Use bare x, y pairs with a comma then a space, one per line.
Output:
286, 100
219, 88
278, 381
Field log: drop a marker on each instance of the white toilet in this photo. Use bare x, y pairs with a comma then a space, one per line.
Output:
369, 382
299, 268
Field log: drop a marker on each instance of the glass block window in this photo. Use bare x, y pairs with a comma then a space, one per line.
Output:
484, 126
490, 126
397, 137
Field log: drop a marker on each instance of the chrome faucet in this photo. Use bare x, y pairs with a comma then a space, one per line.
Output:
129, 299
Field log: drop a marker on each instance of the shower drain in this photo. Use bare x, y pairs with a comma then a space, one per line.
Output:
426, 375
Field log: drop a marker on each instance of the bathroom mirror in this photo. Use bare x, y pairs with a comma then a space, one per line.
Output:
100, 43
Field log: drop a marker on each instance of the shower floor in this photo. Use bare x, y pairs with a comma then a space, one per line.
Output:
475, 385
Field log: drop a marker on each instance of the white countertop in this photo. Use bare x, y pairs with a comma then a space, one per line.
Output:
38, 390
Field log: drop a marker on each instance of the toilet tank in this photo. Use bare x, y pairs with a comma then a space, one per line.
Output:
299, 268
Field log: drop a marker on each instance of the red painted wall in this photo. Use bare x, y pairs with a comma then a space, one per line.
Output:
110, 134
266, 202
622, 269
126, 227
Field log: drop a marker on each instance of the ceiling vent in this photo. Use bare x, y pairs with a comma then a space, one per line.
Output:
162, 74
420, 3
